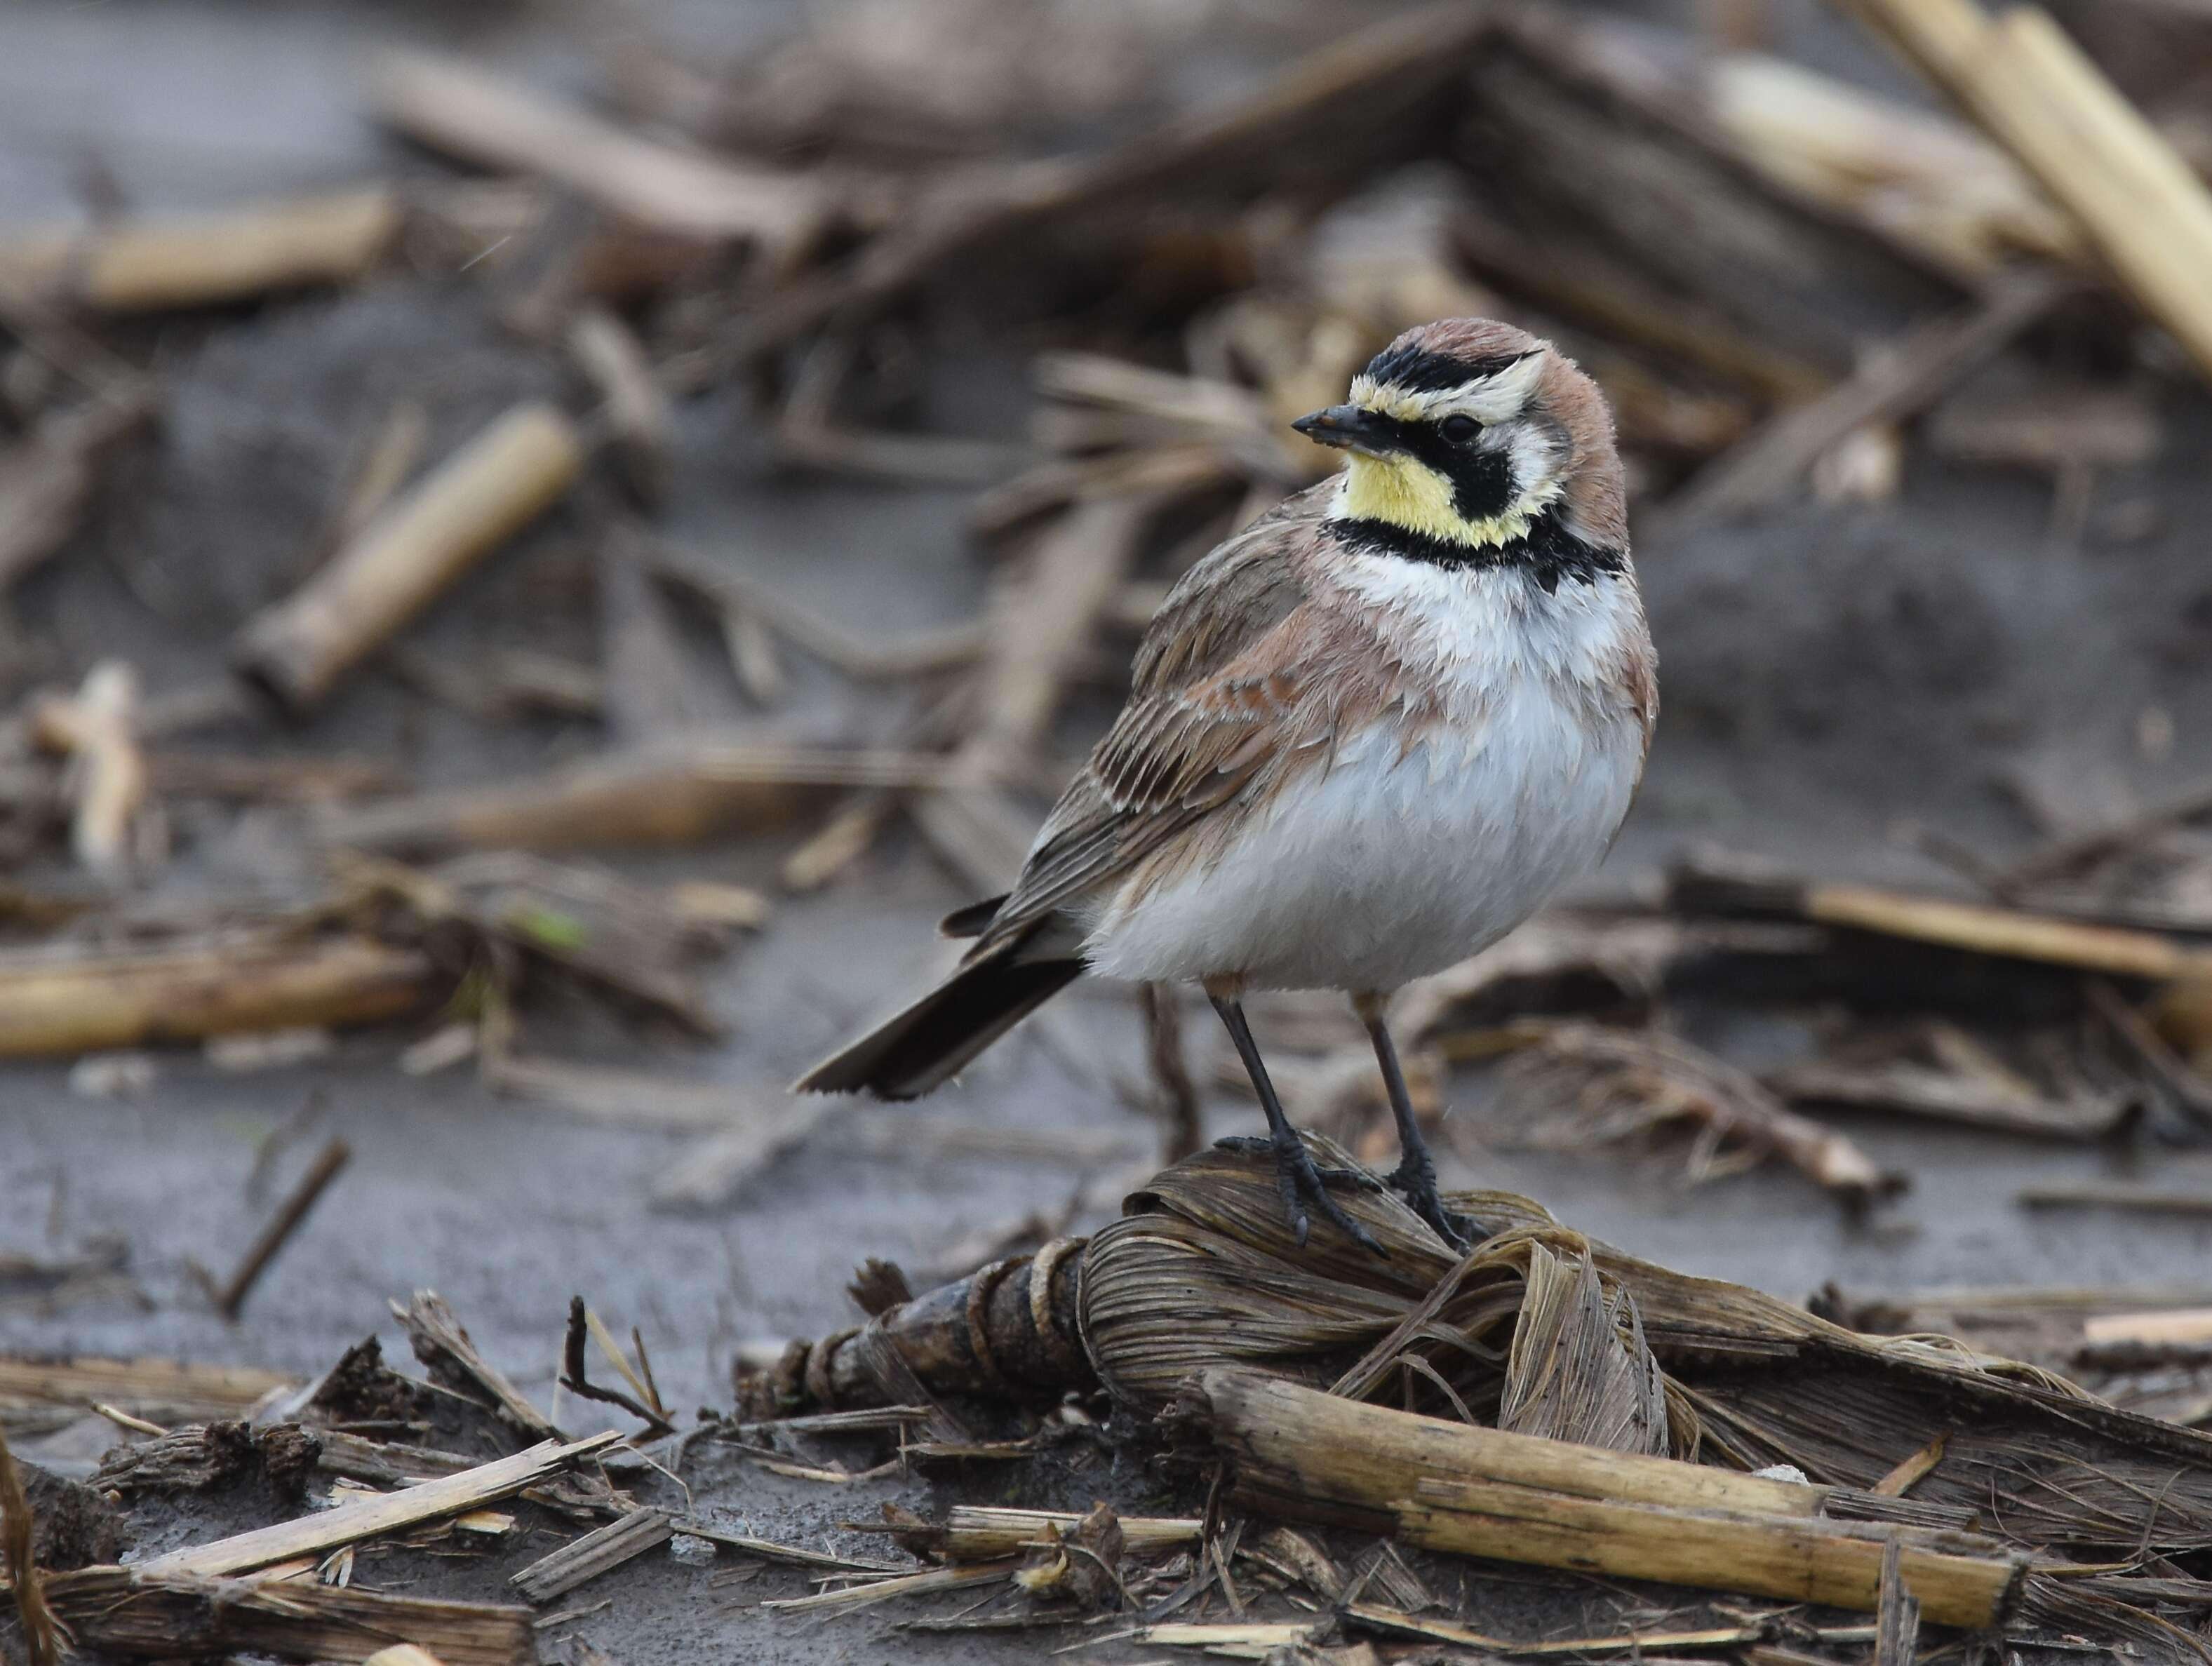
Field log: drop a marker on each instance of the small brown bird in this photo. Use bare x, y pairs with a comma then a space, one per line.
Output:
1368, 736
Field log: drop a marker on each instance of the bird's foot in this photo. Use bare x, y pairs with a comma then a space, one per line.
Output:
1414, 1179
1301, 1182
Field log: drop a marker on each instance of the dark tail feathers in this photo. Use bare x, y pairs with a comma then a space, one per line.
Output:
973, 920
932, 1041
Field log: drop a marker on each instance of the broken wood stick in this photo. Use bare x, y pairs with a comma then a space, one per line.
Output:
1889, 387
984, 1533
273, 1237
2129, 1195
597, 1552
2187, 1086
676, 794
461, 111
60, 1004
444, 1348
496, 485
1908, 1089
180, 1392
2040, 96
379, 1513
1415, 59
113, 825
198, 1457
1043, 619
643, 427
2189, 1327
1974, 927
1308, 1456
1925, 182
141, 265
2074, 853
139, 1614
1610, 296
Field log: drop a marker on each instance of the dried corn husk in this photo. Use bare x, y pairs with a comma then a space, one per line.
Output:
1539, 1330
1749, 1380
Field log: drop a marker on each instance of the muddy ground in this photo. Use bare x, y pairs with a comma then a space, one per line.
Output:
1831, 676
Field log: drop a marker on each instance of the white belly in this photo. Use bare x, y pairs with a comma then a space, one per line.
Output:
1381, 868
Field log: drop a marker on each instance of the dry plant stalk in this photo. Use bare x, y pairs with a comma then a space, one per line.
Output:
42, 1633
1175, 1094
442, 1345
676, 794
1008, 1330
491, 488
1948, 1096
1415, 59
200, 260
176, 1391
1974, 927
1632, 1079
272, 1237
629, 941
114, 826
1888, 389
984, 1533
1313, 1456
1579, 1369
638, 416
139, 1614
379, 1513
1043, 619
78, 1002
461, 111
1923, 180
599, 1551
1199, 1277
1201, 1271
2037, 94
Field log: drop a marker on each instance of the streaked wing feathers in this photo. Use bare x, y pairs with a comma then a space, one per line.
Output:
1217, 676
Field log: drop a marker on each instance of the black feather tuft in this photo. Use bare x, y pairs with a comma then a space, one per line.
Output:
928, 1044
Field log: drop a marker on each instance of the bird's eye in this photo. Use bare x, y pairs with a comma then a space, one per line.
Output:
1459, 429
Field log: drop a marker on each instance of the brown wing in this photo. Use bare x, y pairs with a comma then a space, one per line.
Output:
1243, 588
1215, 678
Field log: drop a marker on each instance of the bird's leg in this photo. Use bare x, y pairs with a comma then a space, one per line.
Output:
1415, 1177
1297, 1176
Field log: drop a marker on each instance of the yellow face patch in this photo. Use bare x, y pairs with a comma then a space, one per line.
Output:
1409, 493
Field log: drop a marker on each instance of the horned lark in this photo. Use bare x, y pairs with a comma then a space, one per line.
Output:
1368, 735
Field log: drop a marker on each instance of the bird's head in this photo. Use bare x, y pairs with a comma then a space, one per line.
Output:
1468, 430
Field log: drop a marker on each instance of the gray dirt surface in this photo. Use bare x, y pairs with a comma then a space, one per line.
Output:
1828, 675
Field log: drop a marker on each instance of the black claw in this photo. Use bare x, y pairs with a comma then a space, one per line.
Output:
1414, 1179
1302, 1181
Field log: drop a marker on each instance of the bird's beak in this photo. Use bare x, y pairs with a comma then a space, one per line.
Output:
1351, 428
